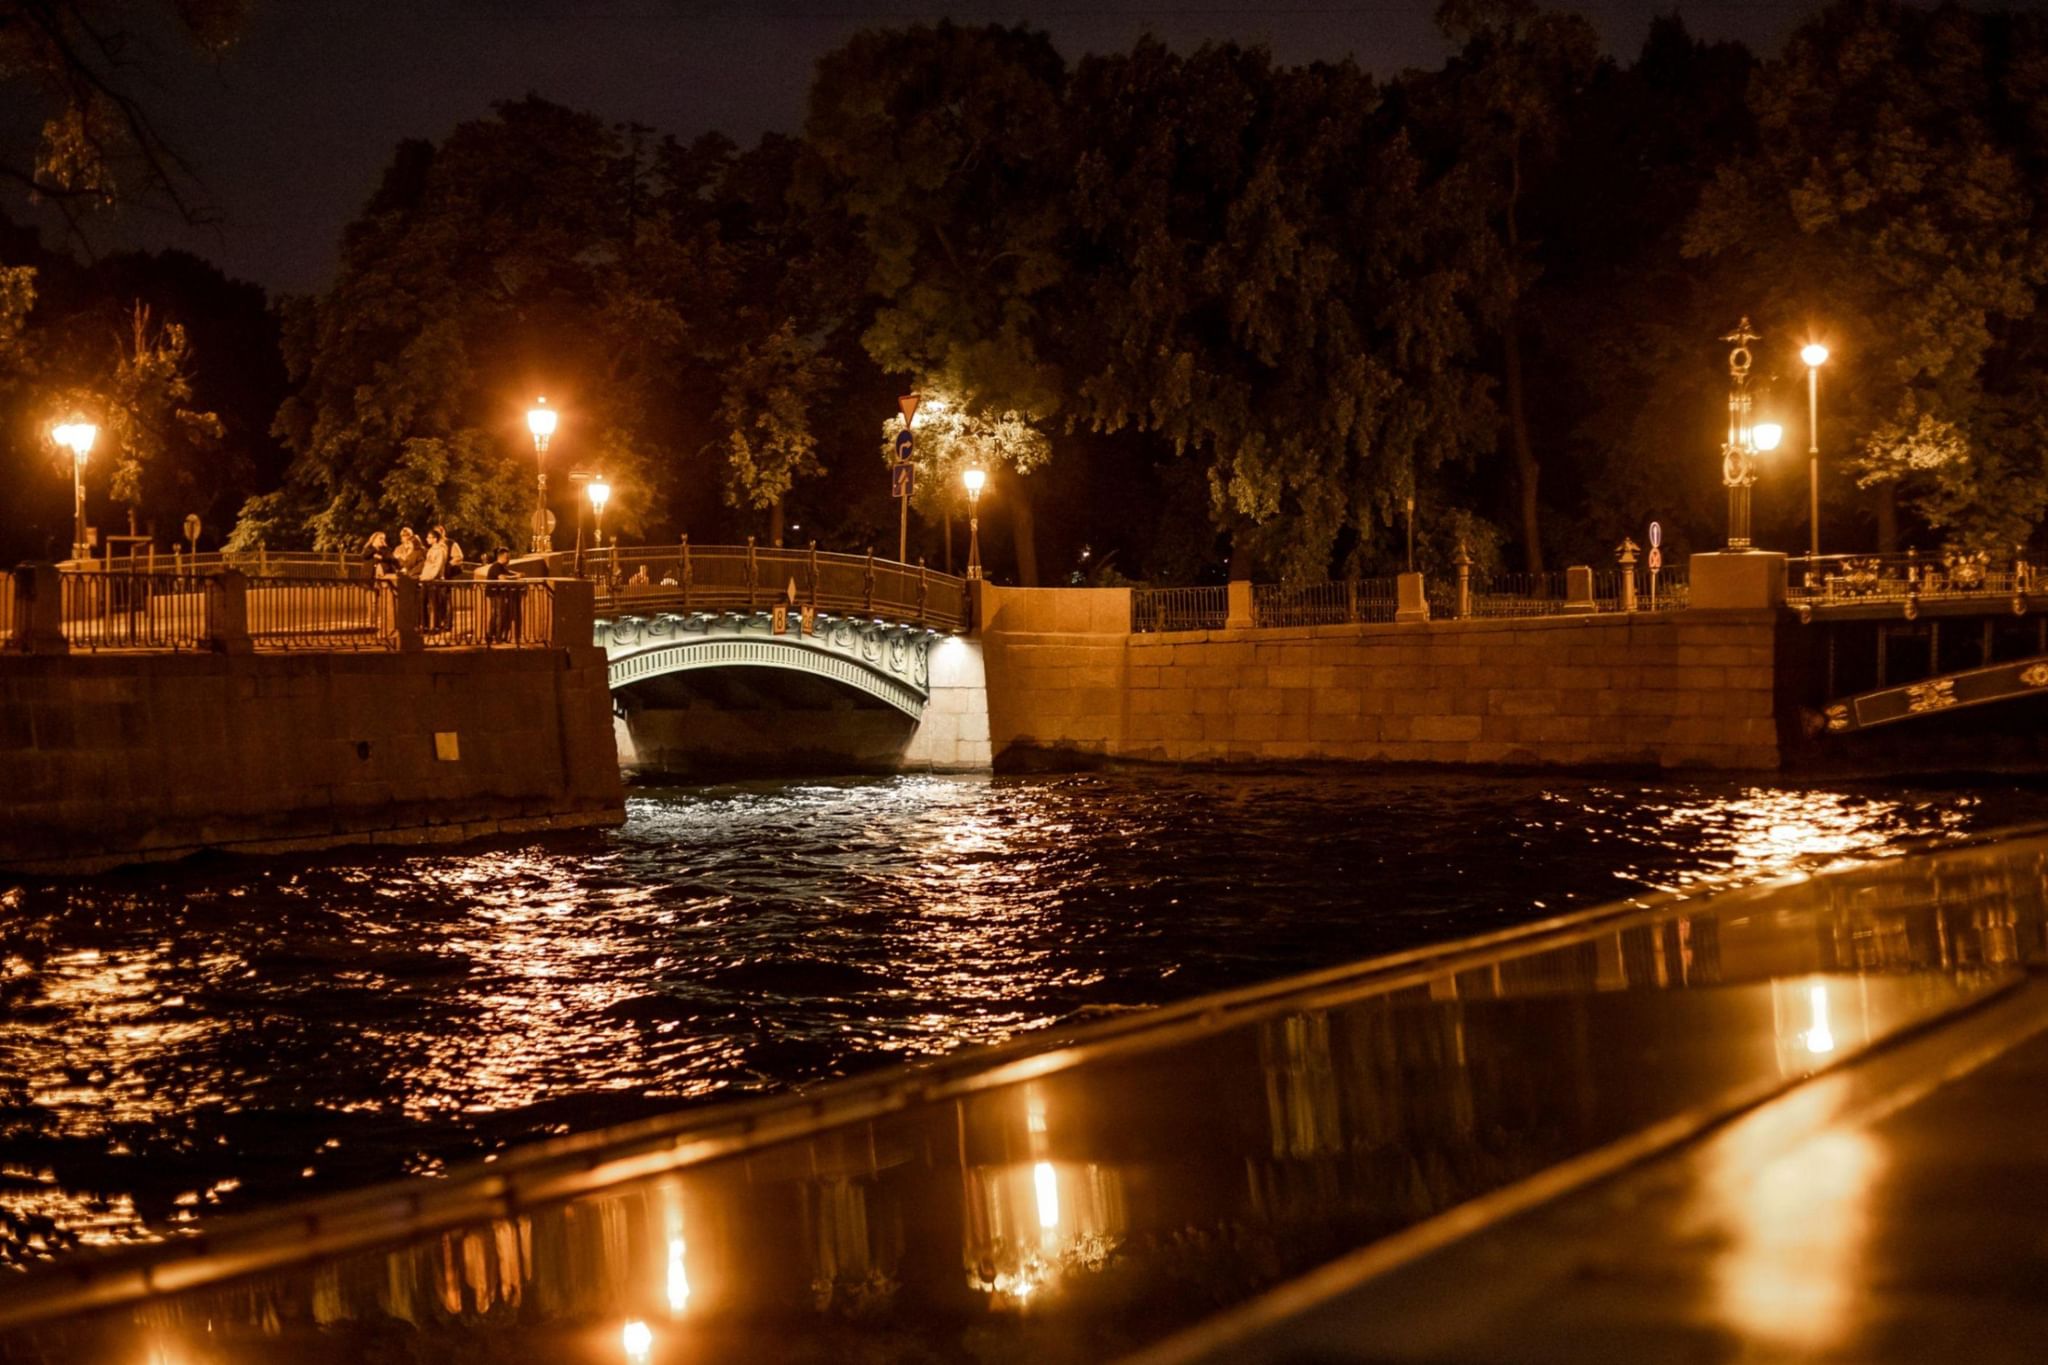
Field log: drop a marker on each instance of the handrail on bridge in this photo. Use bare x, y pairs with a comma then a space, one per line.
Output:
755, 577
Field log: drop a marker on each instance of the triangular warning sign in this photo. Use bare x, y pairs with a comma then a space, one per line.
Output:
908, 402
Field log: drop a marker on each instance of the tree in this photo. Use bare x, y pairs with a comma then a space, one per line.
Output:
1890, 203
152, 437
770, 389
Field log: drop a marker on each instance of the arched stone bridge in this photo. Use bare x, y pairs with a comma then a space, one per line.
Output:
888, 661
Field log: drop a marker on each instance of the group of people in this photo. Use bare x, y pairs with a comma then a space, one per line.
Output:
436, 561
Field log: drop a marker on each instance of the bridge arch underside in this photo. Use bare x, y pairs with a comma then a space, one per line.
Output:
724, 707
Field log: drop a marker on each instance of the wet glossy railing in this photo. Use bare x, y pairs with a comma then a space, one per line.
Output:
1085, 1194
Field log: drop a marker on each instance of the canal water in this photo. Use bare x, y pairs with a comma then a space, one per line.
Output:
177, 1042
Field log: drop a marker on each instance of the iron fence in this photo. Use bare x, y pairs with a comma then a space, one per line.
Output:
1849, 579
1337, 602
257, 563
470, 614
640, 578
1156, 610
136, 610
297, 613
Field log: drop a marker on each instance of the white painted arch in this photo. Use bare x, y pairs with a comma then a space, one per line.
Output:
790, 653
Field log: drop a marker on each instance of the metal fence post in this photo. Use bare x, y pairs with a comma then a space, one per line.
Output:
1464, 563
923, 588
688, 573
753, 573
405, 613
814, 576
870, 584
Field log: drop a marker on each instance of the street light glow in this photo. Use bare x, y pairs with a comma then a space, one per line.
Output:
1814, 354
600, 494
76, 437
540, 420
974, 479
1767, 435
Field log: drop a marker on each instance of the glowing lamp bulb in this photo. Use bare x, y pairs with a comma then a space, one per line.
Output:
1814, 354
76, 437
1767, 435
1046, 1185
600, 494
974, 479
541, 419
638, 1340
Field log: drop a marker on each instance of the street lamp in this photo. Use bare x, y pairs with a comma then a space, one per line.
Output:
1815, 355
540, 420
1745, 442
600, 493
974, 479
77, 437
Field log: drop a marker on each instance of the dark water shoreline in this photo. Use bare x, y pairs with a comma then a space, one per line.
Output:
183, 1040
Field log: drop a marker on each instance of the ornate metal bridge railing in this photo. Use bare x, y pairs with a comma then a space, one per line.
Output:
643, 579
1902, 583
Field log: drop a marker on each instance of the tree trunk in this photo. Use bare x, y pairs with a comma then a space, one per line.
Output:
1526, 470
1017, 494
1888, 517
775, 523
946, 516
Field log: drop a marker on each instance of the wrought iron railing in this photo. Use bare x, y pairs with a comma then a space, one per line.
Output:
1165, 609
1849, 579
686, 577
298, 613
136, 611
257, 563
1323, 604
468, 614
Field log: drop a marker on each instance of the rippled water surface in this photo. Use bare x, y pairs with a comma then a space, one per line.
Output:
178, 1041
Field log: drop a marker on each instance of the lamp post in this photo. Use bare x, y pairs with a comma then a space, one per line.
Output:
1745, 441
1815, 355
600, 494
974, 479
77, 436
540, 420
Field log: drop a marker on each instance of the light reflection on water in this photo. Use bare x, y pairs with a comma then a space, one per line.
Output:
177, 1041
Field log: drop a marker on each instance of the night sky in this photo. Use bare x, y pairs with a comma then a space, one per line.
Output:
291, 130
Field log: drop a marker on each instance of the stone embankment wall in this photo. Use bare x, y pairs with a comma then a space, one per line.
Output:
1068, 682
126, 757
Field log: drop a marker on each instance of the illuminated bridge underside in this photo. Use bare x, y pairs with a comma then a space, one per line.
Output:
890, 663
1933, 696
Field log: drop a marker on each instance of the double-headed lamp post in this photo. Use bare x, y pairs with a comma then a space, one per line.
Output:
1815, 355
1745, 440
974, 479
540, 420
77, 437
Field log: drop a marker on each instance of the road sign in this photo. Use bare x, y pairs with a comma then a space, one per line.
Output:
901, 475
903, 444
192, 529
908, 402
1656, 535
778, 618
543, 522
1656, 559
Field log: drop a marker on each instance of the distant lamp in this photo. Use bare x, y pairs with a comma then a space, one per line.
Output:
540, 420
600, 493
974, 479
1768, 436
77, 436
1814, 354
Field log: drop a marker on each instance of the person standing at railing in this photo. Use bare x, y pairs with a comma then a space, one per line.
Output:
377, 554
503, 596
433, 585
409, 553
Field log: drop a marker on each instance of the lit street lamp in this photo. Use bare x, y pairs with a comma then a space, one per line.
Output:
541, 422
77, 437
1745, 442
601, 494
974, 479
1815, 355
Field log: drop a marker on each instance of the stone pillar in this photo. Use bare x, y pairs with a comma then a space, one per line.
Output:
1464, 563
1411, 600
575, 614
405, 611
227, 615
1578, 589
1738, 580
1240, 617
39, 608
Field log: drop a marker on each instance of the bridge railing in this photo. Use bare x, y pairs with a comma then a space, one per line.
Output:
138, 610
1837, 580
257, 563
471, 614
754, 578
1165, 609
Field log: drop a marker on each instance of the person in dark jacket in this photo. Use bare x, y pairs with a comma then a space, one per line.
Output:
504, 597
